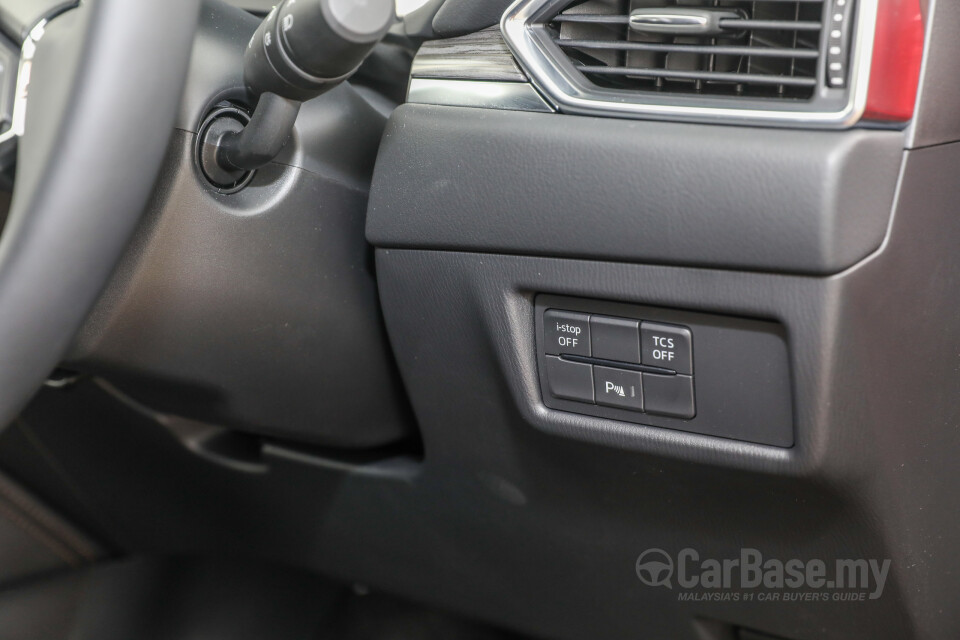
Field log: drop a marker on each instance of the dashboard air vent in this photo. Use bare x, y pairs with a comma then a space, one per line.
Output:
752, 48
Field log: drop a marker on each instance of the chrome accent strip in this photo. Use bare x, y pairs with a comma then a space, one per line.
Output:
514, 96
549, 70
27, 51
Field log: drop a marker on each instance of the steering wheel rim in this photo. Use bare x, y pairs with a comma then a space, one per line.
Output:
105, 86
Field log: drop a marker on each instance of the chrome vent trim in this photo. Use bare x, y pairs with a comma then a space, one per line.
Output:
525, 29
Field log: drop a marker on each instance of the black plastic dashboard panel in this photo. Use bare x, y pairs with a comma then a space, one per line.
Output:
547, 184
510, 522
741, 370
459, 17
256, 310
935, 121
518, 513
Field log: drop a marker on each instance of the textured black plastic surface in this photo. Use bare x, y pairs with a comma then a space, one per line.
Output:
541, 533
653, 192
935, 120
508, 522
256, 310
742, 375
35, 541
217, 599
459, 17
216, 63
171, 599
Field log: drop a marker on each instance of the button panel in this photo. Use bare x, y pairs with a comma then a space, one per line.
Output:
625, 363
658, 368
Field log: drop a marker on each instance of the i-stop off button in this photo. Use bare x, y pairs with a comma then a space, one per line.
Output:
667, 346
566, 332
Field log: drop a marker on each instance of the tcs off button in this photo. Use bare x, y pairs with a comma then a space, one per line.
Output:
566, 332
667, 346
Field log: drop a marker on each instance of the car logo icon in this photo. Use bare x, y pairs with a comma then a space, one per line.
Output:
655, 568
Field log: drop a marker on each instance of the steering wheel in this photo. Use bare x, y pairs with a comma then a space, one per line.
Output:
98, 88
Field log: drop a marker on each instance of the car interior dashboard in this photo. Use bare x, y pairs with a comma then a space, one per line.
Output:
476, 308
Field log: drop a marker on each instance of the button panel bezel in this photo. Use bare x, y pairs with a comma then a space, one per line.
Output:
742, 382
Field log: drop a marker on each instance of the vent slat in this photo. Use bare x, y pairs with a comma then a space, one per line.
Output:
754, 78
622, 45
766, 49
592, 18
728, 23
771, 25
